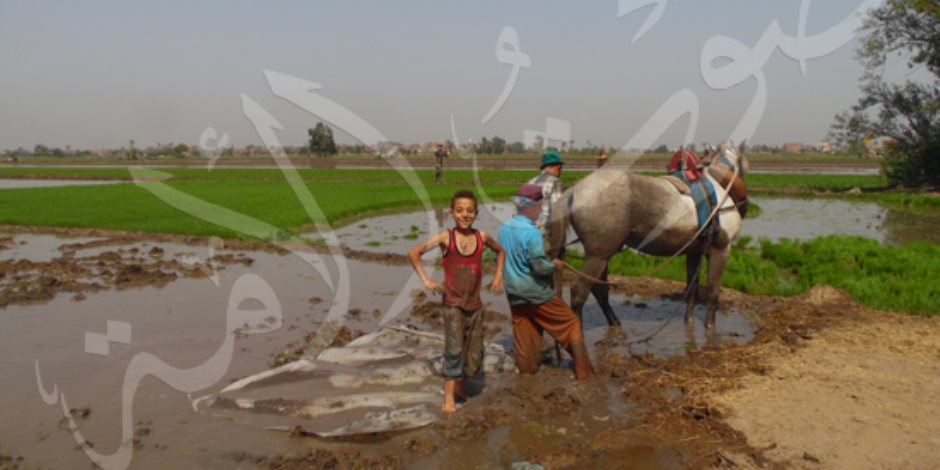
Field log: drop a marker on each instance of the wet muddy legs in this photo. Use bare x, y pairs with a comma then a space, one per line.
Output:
595, 267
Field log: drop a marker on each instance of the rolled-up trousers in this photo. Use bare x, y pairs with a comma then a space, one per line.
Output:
560, 322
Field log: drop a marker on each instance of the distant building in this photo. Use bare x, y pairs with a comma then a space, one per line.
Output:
793, 147
824, 147
875, 147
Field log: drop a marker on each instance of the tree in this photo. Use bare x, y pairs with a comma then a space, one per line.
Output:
321, 140
498, 145
516, 147
908, 113
180, 150
539, 143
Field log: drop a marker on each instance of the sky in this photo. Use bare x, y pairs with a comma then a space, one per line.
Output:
97, 74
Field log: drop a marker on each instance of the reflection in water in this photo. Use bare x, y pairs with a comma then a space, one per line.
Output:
805, 219
800, 219
657, 327
28, 183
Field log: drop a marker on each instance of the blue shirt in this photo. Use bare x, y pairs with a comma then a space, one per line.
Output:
528, 273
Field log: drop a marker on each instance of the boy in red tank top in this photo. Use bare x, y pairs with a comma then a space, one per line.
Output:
463, 274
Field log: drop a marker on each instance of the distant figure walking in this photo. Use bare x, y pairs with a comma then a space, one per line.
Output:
439, 157
602, 158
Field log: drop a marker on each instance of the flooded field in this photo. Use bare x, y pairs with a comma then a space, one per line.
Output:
47, 346
49, 183
795, 218
99, 329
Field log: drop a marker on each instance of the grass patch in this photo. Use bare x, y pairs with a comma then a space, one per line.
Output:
753, 210
131, 207
897, 278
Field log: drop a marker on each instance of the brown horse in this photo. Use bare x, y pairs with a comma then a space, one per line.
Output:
613, 208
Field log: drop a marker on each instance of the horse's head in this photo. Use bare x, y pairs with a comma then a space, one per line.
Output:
730, 158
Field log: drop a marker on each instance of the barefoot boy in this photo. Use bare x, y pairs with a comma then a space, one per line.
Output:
463, 274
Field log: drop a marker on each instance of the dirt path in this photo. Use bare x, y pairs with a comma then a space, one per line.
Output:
861, 394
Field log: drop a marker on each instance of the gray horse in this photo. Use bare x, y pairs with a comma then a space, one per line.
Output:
613, 208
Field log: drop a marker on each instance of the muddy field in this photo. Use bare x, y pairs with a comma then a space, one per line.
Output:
814, 381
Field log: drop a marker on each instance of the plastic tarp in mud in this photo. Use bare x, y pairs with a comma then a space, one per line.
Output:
385, 381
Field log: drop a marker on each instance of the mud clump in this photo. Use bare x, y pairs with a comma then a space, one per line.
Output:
393, 259
143, 430
294, 351
136, 275
568, 456
77, 414
354, 313
420, 446
11, 462
6, 242
344, 458
24, 281
430, 313
550, 392
344, 336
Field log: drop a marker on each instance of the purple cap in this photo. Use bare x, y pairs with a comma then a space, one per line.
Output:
531, 192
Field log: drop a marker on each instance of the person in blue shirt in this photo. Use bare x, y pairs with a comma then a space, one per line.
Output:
528, 279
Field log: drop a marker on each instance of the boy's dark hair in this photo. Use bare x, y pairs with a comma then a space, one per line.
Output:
464, 194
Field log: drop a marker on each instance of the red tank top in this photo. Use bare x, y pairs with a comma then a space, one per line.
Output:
463, 274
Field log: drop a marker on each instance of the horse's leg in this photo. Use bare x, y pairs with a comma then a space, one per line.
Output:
602, 294
594, 266
693, 264
717, 260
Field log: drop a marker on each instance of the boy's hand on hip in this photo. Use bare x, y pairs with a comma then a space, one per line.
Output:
559, 264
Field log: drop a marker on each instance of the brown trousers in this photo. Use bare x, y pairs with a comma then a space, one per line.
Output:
561, 323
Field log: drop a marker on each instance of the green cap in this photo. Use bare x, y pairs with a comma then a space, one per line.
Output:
551, 157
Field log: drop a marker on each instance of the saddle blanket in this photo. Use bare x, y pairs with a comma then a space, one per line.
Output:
704, 196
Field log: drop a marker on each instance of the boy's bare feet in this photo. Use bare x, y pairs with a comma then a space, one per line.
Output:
450, 405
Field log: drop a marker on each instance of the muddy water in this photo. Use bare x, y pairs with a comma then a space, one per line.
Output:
805, 219
184, 324
39, 248
43, 183
800, 219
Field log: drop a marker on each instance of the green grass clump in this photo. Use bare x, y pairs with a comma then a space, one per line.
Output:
893, 278
753, 210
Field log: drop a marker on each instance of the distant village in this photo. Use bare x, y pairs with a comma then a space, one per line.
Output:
487, 146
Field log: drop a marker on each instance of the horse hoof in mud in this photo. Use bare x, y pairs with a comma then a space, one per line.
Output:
612, 209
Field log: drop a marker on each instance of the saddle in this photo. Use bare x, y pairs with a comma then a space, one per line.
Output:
685, 169
688, 163
700, 190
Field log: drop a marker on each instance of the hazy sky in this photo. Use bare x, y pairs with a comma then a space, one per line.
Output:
96, 74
